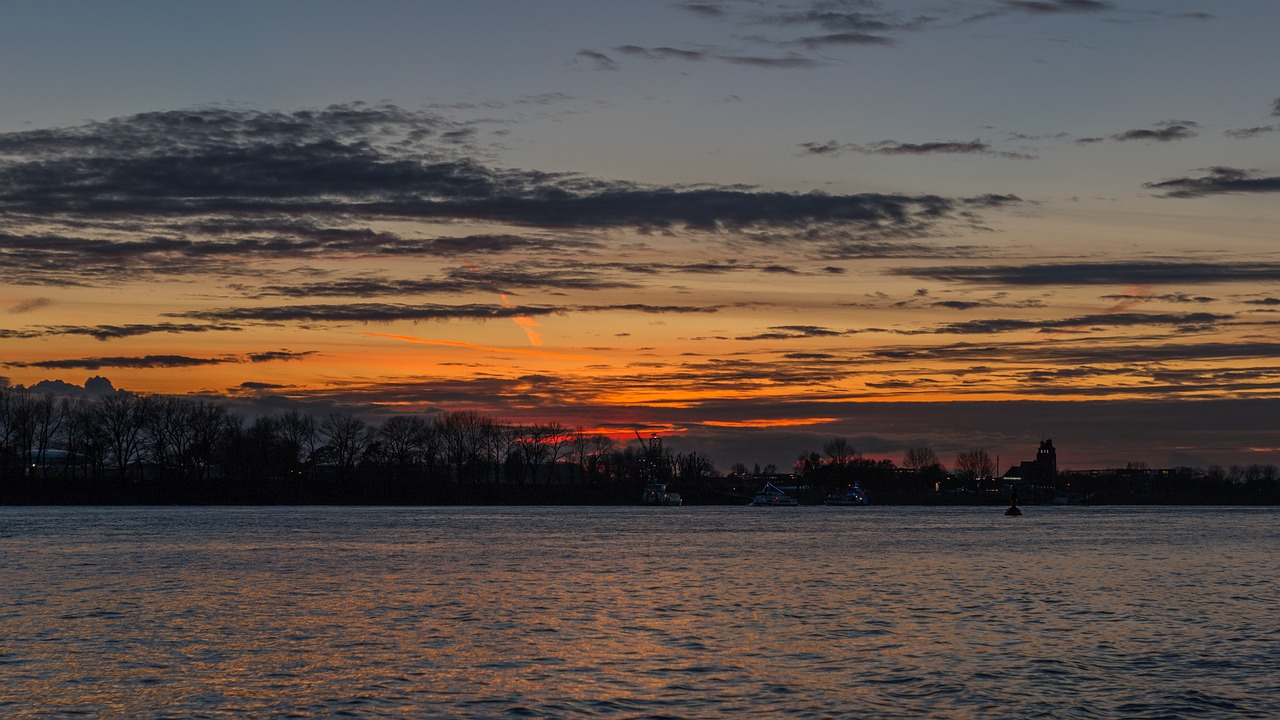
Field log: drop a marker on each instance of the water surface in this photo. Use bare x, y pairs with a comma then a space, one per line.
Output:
639, 612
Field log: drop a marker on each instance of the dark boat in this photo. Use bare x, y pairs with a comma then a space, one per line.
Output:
771, 495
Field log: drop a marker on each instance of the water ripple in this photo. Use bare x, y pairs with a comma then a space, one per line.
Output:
637, 613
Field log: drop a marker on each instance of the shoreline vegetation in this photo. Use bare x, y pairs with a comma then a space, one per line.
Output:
127, 449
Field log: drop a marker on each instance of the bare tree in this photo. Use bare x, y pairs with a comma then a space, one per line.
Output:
346, 438
49, 415
463, 436
600, 452
168, 432
974, 464
558, 439
84, 439
694, 468
298, 433
121, 417
28, 423
403, 438
919, 458
209, 422
840, 452
531, 443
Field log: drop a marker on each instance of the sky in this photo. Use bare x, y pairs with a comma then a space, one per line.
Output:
747, 226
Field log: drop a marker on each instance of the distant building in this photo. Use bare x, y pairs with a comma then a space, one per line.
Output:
1041, 471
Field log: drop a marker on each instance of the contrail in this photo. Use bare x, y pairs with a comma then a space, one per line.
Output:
525, 322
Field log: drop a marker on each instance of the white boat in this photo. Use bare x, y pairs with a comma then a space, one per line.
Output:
771, 495
658, 494
852, 496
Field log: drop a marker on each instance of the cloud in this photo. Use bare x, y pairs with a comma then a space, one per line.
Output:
398, 312
1275, 107
115, 332
709, 10
203, 190
561, 275
363, 313
1219, 180
648, 309
301, 238
1040, 7
1167, 297
958, 304
795, 332
662, 53
501, 279
843, 38
1166, 131
1246, 133
789, 62
255, 386
1081, 322
834, 18
146, 361
158, 361
818, 25
95, 386
964, 305
1099, 273
1077, 353
893, 147
277, 356
600, 60
31, 305
1052, 7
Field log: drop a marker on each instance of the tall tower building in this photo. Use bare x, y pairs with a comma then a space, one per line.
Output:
1047, 461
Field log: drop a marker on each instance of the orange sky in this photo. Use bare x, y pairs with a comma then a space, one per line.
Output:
752, 233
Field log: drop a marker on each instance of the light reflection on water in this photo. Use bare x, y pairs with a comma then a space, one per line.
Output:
639, 612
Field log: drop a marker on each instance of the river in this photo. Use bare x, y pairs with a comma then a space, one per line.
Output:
631, 612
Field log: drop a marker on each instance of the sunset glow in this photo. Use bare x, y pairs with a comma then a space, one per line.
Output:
754, 226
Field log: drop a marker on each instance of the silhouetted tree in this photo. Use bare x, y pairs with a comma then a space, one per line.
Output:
840, 452
298, 437
596, 460
121, 417
919, 458
208, 423
464, 436
404, 439
344, 439
974, 464
121, 447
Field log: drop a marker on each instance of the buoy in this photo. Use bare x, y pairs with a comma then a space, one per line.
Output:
1013, 505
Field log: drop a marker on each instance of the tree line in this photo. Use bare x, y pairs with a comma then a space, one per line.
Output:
126, 448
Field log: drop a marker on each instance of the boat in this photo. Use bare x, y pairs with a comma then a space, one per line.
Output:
773, 496
658, 494
852, 496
